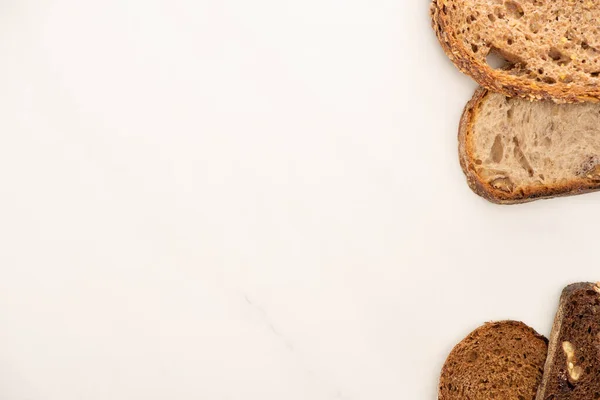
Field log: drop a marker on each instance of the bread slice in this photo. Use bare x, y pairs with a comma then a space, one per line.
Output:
551, 47
572, 370
514, 151
499, 360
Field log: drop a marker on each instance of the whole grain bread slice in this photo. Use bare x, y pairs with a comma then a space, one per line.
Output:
572, 370
551, 48
513, 150
499, 360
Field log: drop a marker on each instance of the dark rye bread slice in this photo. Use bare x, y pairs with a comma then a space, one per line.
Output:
572, 370
499, 360
514, 151
551, 47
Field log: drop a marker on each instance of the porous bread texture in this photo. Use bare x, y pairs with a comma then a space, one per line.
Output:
536, 143
514, 150
552, 48
572, 369
499, 360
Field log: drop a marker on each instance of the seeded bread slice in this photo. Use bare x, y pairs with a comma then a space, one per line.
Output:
499, 360
572, 370
514, 151
551, 48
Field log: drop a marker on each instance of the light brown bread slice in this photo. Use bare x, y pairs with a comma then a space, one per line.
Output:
514, 151
552, 47
572, 370
499, 360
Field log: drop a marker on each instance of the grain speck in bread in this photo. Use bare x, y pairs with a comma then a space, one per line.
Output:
499, 360
572, 370
513, 150
551, 47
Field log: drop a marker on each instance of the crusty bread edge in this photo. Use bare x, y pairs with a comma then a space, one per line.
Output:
553, 345
574, 186
500, 80
477, 330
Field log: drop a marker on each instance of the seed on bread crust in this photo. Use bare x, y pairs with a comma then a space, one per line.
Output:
594, 173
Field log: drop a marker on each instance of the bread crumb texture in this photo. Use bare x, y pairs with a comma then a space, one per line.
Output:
517, 146
500, 360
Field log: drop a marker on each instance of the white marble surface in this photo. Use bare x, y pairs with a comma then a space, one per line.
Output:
236, 199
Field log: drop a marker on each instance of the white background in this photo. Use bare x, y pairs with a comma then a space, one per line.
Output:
235, 199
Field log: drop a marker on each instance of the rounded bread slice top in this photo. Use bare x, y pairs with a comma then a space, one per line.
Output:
499, 360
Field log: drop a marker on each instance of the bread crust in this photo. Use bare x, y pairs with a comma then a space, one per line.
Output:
502, 81
521, 195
